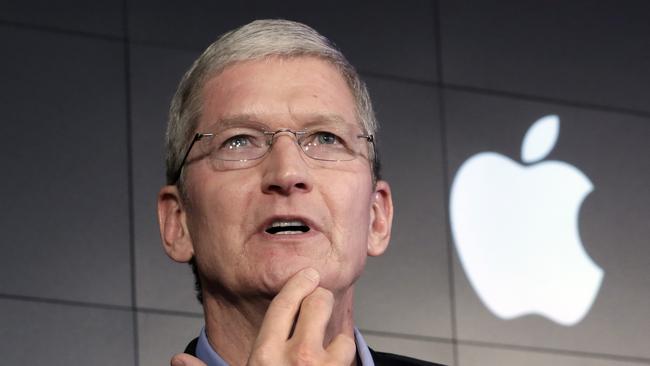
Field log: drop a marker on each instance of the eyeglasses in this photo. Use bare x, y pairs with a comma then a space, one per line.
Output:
238, 147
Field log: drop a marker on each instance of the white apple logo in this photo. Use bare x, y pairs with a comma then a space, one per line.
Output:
516, 231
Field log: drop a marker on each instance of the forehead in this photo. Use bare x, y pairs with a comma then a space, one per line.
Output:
279, 92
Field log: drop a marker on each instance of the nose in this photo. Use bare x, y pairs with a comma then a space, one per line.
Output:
286, 170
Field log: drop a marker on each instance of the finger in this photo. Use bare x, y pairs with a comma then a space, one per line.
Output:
183, 359
315, 313
282, 311
342, 350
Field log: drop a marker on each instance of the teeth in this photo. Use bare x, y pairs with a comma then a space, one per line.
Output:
287, 223
287, 227
288, 232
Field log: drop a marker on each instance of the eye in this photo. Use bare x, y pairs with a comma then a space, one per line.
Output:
237, 142
326, 138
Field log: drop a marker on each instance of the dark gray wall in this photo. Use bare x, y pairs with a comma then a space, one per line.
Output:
85, 89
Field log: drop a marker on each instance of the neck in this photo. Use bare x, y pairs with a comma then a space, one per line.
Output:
233, 327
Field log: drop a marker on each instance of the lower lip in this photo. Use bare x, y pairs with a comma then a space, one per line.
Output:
289, 237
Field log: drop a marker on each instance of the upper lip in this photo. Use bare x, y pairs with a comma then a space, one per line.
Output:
307, 221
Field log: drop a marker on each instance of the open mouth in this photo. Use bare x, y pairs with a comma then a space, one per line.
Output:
287, 227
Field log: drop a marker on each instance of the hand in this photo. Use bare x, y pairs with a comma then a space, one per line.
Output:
183, 359
302, 295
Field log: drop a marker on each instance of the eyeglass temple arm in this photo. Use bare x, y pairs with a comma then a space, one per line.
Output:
371, 140
177, 175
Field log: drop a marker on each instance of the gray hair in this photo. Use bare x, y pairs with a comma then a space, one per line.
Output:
253, 41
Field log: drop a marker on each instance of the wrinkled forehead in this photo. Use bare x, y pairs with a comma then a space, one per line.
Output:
279, 92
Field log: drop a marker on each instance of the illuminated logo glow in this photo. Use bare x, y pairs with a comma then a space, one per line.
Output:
515, 228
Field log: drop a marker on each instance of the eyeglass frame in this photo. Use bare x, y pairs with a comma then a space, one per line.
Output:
200, 135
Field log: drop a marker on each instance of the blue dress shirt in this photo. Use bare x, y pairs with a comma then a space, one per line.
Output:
208, 355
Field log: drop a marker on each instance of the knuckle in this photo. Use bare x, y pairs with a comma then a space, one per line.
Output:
261, 356
331, 363
325, 293
348, 344
342, 348
348, 341
303, 355
320, 298
282, 302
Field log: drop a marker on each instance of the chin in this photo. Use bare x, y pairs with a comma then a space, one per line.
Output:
334, 280
275, 264
276, 275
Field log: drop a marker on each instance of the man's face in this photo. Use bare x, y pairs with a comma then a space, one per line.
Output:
228, 212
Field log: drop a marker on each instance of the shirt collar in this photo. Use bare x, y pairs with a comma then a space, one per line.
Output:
362, 349
208, 355
205, 352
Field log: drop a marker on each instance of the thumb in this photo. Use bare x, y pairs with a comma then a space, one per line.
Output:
183, 359
342, 350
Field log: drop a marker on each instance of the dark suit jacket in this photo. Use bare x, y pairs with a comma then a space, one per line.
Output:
380, 358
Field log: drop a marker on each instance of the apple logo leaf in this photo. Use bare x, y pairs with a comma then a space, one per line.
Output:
540, 139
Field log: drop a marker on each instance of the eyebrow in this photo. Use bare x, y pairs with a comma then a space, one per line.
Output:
253, 120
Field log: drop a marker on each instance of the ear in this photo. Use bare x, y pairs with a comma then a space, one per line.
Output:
381, 219
173, 225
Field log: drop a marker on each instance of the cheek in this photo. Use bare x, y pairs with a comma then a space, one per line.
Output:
218, 214
350, 209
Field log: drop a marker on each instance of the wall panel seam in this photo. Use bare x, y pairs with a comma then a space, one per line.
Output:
130, 188
445, 177
58, 30
557, 351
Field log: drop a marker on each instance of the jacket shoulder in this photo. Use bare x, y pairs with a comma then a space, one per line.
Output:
380, 358
191, 347
389, 359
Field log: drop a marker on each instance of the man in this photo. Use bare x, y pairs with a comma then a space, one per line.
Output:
274, 196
